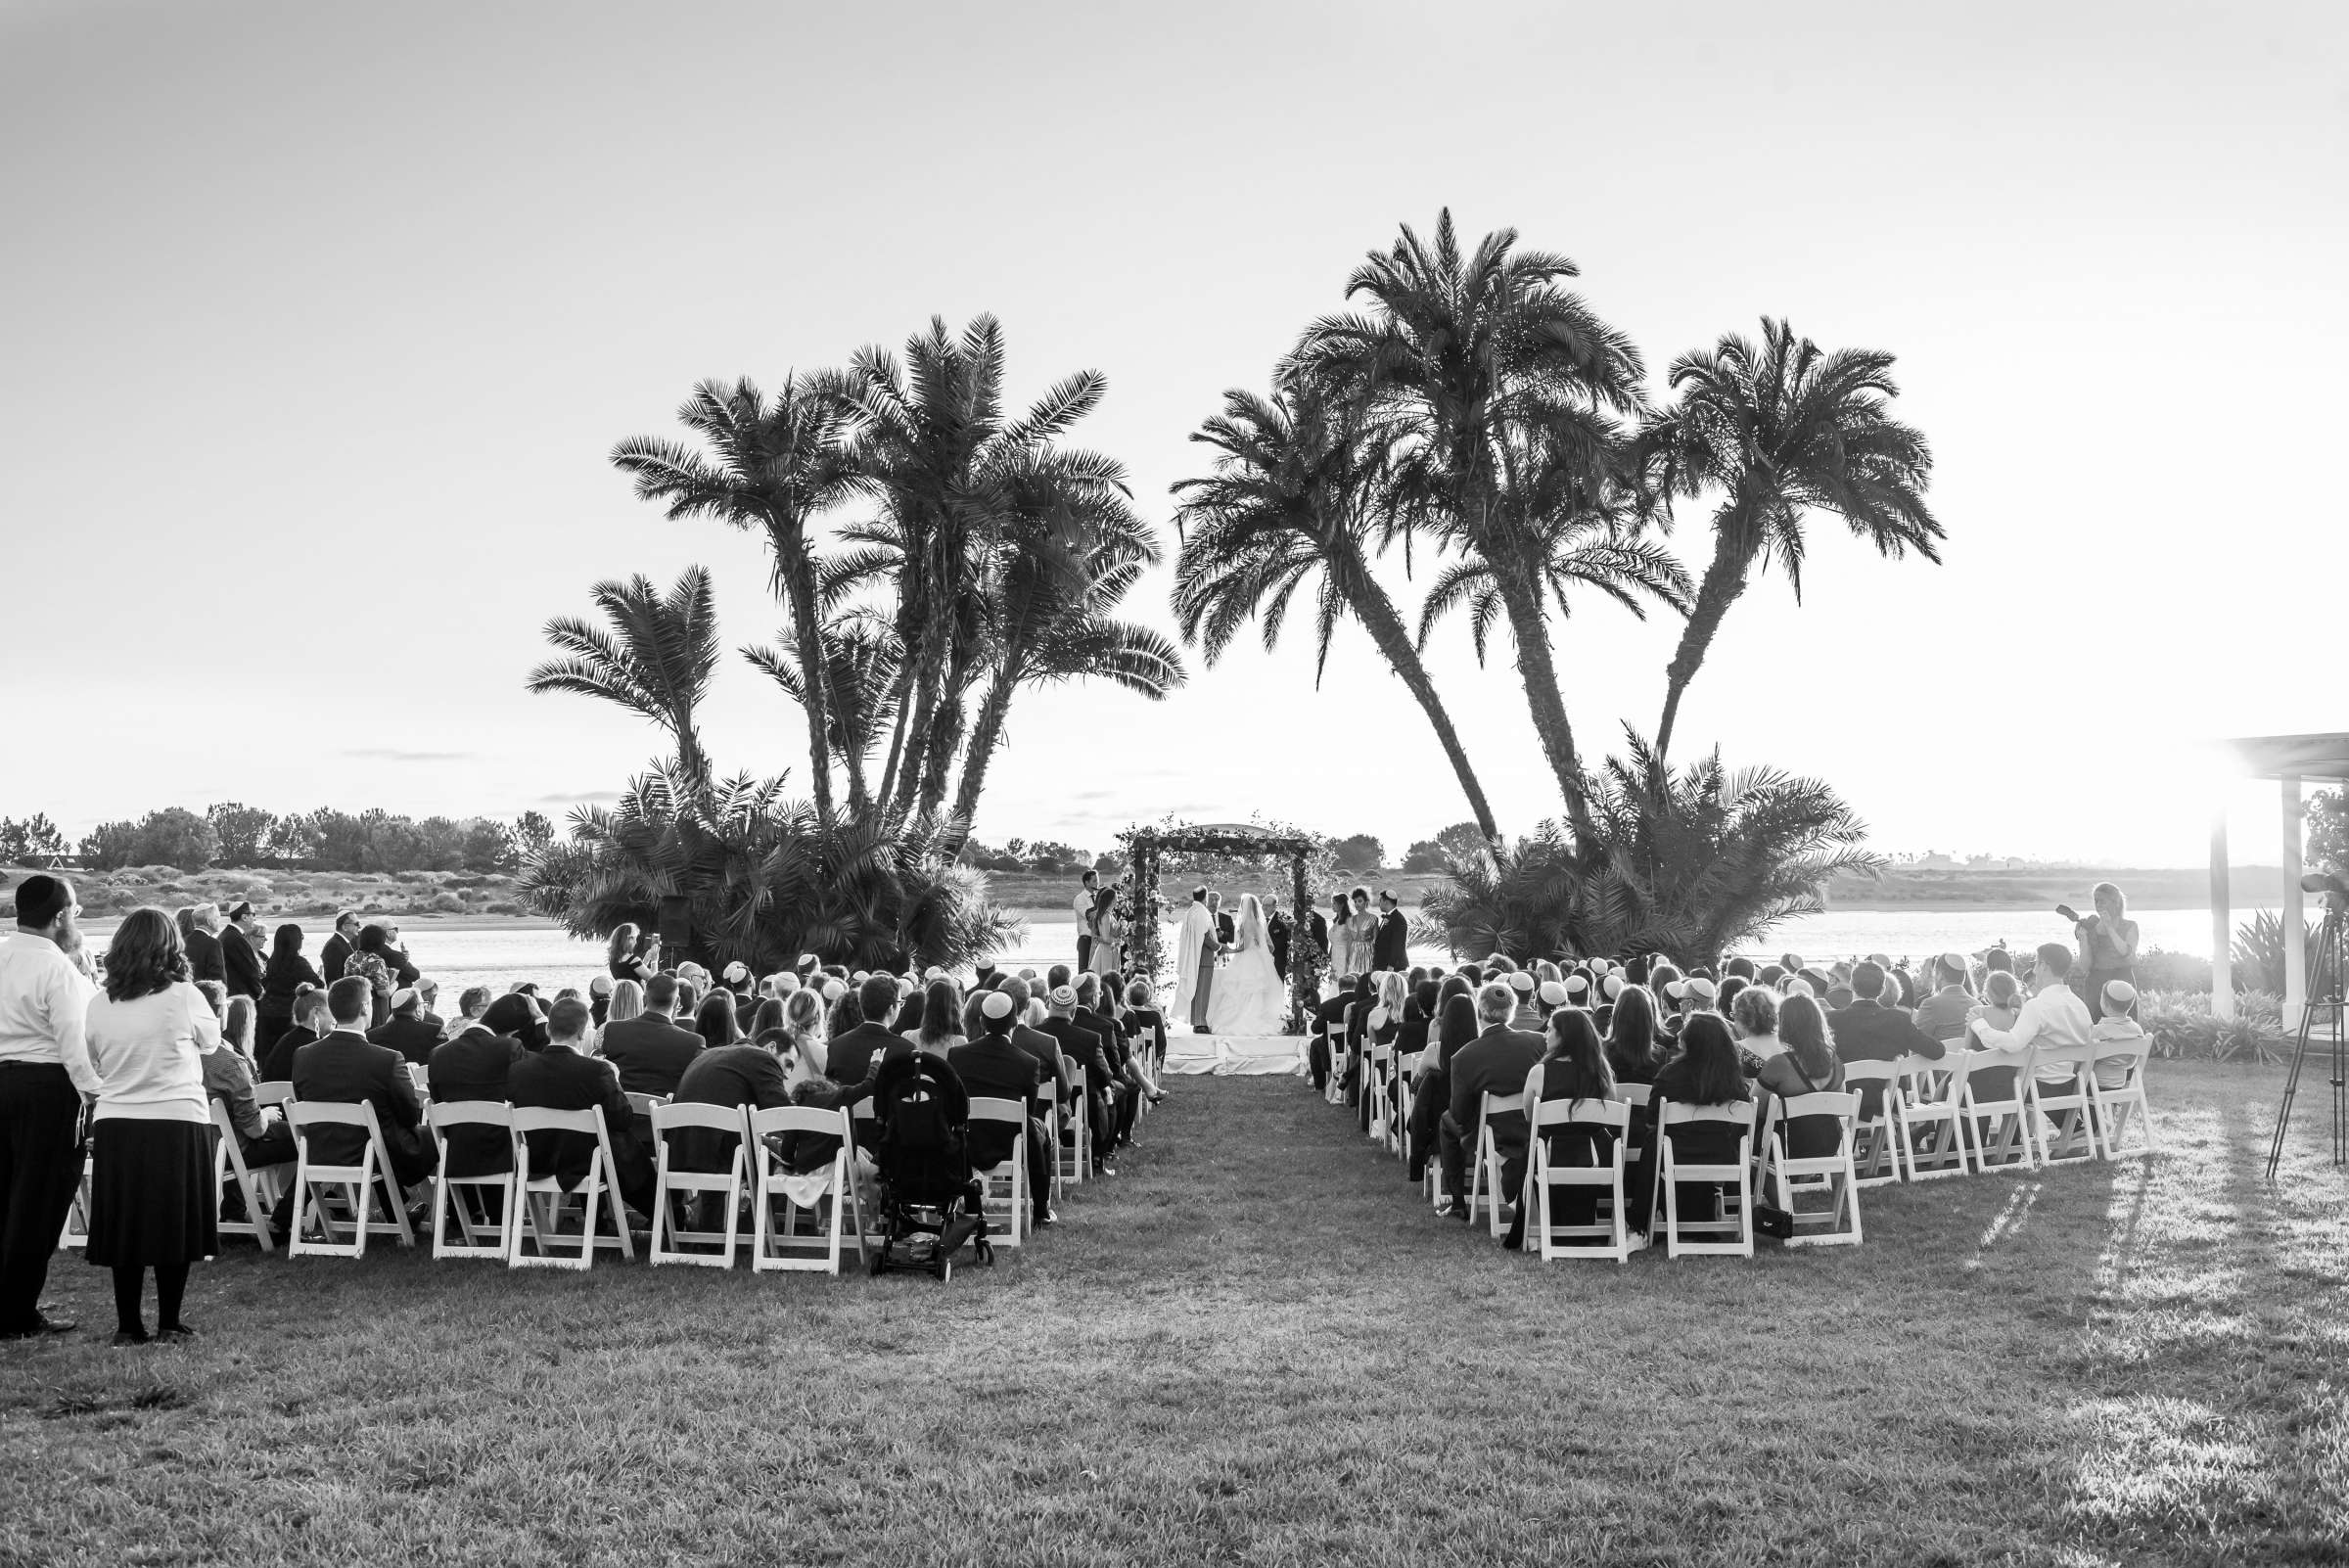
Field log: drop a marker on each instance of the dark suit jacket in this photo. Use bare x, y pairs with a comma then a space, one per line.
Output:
1869, 1031
560, 1078
1083, 1046
725, 1075
333, 956
345, 1067
1225, 929
1046, 1052
413, 1037
277, 1062
243, 963
1495, 1062
1389, 949
403, 973
855, 1056
993, 1067
1276, 936
474, 1066
205, 959
651, 1053
1113, 1039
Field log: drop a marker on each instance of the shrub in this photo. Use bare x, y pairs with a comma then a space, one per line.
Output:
2185, 1029
447, 903
2158, 969
505, 907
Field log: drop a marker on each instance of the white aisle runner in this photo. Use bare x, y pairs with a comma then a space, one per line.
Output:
1195, 1055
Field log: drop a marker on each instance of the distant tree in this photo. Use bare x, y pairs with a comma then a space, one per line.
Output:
1424, 854
1360, 851
293, 839
2326, 837
177, 837
489, 846
242, 830
532, 833
440, 845
34, 842
1461, 839
111, 845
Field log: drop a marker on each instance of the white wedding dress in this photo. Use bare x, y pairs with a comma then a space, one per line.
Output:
1248, 1001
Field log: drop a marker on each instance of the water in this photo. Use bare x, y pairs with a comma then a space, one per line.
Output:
499, 955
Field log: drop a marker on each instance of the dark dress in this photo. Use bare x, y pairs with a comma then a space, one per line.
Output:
1698, 1143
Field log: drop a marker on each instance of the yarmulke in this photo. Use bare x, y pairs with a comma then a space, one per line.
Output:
1575, 985
1613, 985
1554, 993
1799, 987
834, 991
600, 985
934, 973
2119, 994
1064, 996
1520, 981
403, 996
995, 1004
737, 972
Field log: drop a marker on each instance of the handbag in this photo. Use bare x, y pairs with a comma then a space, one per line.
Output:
1771, 1221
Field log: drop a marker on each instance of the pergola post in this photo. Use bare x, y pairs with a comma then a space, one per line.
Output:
2221, 919
2294, 922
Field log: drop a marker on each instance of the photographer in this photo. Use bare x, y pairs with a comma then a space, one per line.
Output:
2109, 947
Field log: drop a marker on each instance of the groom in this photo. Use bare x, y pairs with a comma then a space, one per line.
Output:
1202, 940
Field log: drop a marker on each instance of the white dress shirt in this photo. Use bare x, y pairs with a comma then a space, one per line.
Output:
43, 1002
2056, 1017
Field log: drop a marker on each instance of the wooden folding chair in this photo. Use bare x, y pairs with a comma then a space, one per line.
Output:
1999, 1119
542, 1202
1880, 1149
1003, 1188
258, 1190
1932, 1131
1485, 1173
2116, 1087
488, 1233
783, 1245
675, 1192
2061, 1104
321, 1189
1671, 1172
1555, 1239
1787, 1178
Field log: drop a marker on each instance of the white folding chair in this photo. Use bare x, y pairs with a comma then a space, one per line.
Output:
1003, 1188
276, 1092
2000, 1119
1335, 1032
1734, 1177
542, 1203
322, 1189
1637, 1096
1787, 1178
1049, 1093
76, 1231
421, 1075
1484, 1174
1374, 1088
258, 1190
1932, 1131
2058, 1098
1543, 1177
2116, 1086
784, 1245
1880, 1151
488, 1233
1073, 1161
1407, 1072
675, 1190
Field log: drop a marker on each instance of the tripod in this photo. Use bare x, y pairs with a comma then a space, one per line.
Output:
2335, 1009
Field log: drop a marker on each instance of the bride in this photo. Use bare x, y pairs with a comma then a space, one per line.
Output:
1249, 1000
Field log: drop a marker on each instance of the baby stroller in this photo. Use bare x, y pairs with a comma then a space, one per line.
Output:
930, 1201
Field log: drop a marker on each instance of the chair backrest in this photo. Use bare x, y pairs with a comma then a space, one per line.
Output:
986, 1108
305, 1114
646, 1104
276, 1092
1616, 1114
1408, 1066
221, 1124
1842, 1106
1931, 1080
668, 1116
2075, 1057
470, 1113
2013, 1058
546, 1119
1676, 1114
798, 1119
1635, 1093
2128, 1055
1885, 1075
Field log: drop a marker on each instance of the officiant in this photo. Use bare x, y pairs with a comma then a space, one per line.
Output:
1195, 961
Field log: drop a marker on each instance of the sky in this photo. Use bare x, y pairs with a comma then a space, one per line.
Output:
320, 322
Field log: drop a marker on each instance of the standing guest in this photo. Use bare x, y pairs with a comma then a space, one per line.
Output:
206, 961
1390, 945
564, 1077
2109, 947
1867, 1031
151, 1203
312, 1021
395, 957
1276, 936
1496, 1063
283, 977
651, 1052
262, 1137
1635, 1046
715, 1020
407, 1031
1944, 1013
631, 955
1704, 1073
241, 950
44, 1072
1088, 888
343, 1067
367, 961
993, 1067
1109, 934
338, 947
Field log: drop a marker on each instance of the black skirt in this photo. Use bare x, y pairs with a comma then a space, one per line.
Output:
151, 1193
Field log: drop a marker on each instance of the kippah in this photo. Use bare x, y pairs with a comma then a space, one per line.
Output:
1064, 996
1613, 987
1574, 983
995, 1004
834, 991
1554, 993
1519, 980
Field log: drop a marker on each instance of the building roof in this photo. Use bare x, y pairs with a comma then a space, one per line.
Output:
2317, 757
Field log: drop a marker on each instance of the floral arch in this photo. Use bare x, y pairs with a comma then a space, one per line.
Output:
1169, 847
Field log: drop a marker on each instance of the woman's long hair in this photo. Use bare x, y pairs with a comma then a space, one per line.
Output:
147, 955
185, 917
622, 946
911, 1016
1421, 1009
715, 1020
1631, 1032
237, 1028
942, 1012
770, 1013
1457, 1026
627, 1001
1713, 1077
1575, 1063
287, 943
1804, 1030
1393, 993
801, 1017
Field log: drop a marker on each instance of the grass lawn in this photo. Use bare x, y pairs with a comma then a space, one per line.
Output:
1257, 1346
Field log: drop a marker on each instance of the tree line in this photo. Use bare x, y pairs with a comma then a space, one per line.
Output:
231, 834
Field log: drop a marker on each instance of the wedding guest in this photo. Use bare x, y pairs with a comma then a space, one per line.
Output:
44, 1072
1944, 1013
241, 950
516, 1017
1086, 1049
283, 976
855, 1054
742, 1074
1574, 1069
651, 1052
202, 937
406, 1030
628, 956
1495, 1063
1809, 1062
1431, 1092
564, 1077
338, 947
1340, 948
1635, 1046
2108, 945
715, 1020
312, 1021
343, 1067
1144, 1025
1756, 1012
993, 1067
941, 1027
1704, 1073
1525, 996
367, 960
1867, 1031
599, 999
262, 1137
1088, 888
2054, 1017
476, 1065
627, 1001
1038, 1044
152, 1202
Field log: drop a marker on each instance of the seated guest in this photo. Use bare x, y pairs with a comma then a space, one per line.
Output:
1944, 1014
1869, 1031
471, 1003
1034, 1040
599, 998
564, 1077
1635, 1049
476, 1065
1145, 1027
1574, 1069
262, 1137
941, 1027
1755, 1012
991, 1067
2118, 1023
2054, 1017
1495, 1063
345, 1067
1704, 1073
1329, 1015
1526, 990
283, 977
1808, 1064
856, 1056
1125, 1086
1431, 1092
515, 1015
749, 1074
407, 1031
715, 1020
312, 1020
1086, 1049
651, 1052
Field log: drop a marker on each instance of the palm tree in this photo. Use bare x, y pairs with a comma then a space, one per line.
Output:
1782, 428
772, 467
655, 660
861, 660
1462, 358
1290, 497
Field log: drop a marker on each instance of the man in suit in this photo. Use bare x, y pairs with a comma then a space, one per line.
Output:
344, 1068
312, 1021
1084, 1047
1390, 949
1088, 887
1125, 1083
474, 1066
407, 1031
395, 957
991, 1067
334, 956
240, 952
564, 1077
651, 1052
204, 959
1225, 930
854, 1055
1034, 1042
1495, 1062
1276, 937
1867, 1031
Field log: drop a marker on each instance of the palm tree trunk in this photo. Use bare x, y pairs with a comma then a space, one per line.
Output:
986, 736
897, 730
929, 675
1521, 597
1377, 614
815, 672
1725, 581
